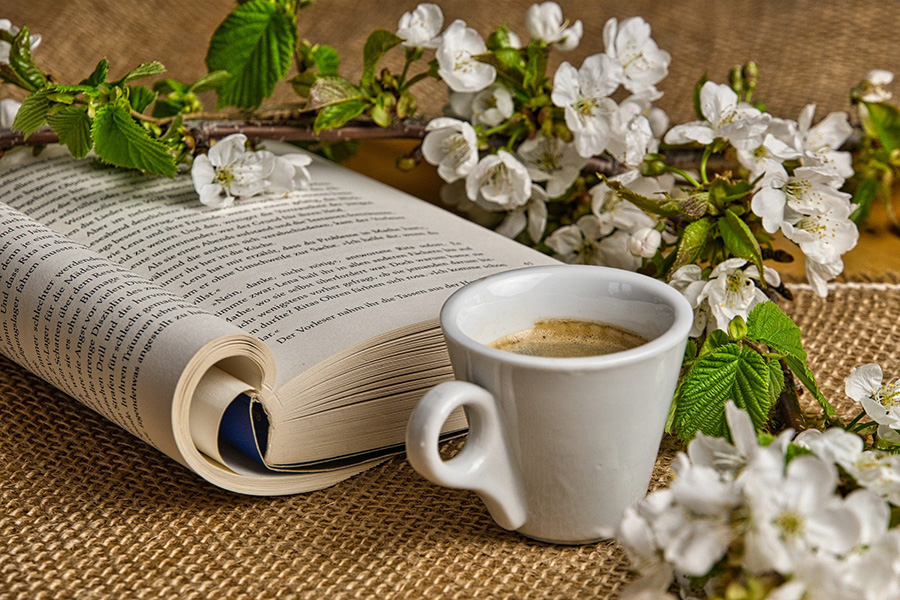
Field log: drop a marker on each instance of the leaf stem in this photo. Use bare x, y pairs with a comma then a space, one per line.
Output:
690, 178
707, 152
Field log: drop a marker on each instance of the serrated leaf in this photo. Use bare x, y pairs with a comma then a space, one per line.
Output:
22, 62
776, 380
255, 44
33, 113
99, 74
119, 141
143, 70
863, 199
332, 89
664, 206
326, 59
140, 97
715, 339
740, 241
168, 86
377, 44
731, 372
885, 120
799, 368
73, 125
210, 81
335, 115
768, 324
693, 241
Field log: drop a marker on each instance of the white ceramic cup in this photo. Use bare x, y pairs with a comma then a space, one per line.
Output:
558, 448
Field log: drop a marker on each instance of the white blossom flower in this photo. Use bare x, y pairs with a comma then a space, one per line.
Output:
615, 212
742, 125
689, 281
460, 106
876, 471
499, 182
545, 22
819, 143
289, 173
452, 145
809, 190
797, 514
642, 63
8, 110
731, 291
818, 274
644, 242
453, 195
584, 94
456, 63
875, 573
230, 171
532, 216
631, 134
492, 105
421, 28
778, 145
553, 161
873, 86
825, 232
881, 401
6, 47
587, 243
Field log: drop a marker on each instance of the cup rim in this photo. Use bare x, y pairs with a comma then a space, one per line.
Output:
676, 334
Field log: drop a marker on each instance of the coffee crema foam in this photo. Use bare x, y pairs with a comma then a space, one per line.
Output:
569, 338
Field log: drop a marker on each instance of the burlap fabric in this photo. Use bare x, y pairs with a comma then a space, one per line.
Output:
808, 51
87, 511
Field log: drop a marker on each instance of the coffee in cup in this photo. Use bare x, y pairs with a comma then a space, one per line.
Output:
568, 338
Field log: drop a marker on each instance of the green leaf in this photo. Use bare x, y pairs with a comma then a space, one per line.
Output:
73, 125
714, 340
326, 59
335, 115
99, 74
769, 325
731, 372
255, 44
378, 43
663, 206
863, 199
22, 62
740, 241
120, 141
536, 67
332, 89
776, 380
140, 97
802, 372
885, 119
210, 81
169, 86
696, 96
141, 71
693, 241
33, 113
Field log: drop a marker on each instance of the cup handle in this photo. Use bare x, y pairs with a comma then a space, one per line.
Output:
483, 465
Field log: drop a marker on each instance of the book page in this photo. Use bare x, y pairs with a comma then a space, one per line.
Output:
96, 331
309, 273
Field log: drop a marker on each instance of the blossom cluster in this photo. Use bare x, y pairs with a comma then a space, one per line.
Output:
521, 178
770, 518
230, 170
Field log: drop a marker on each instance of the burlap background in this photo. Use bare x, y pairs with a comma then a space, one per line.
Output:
86, 511
808, 50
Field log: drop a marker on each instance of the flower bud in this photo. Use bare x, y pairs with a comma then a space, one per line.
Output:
737, 328
736, 79
644, 242
407, 163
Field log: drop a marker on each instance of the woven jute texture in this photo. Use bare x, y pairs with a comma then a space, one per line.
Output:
808, 50
87, 511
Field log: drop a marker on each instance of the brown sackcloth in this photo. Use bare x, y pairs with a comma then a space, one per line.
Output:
807, 50
87, 511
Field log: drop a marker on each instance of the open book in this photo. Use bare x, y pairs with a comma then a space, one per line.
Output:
311, 316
